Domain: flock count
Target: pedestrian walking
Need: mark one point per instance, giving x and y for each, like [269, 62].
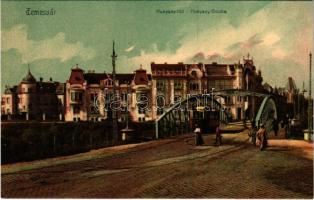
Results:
[275, 126]
[262, 137]
[198, 136]
[218, 136]
[253, 135]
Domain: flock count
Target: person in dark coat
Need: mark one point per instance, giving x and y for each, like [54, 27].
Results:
[218, 136]
[253, 135]
[275, 126]
[262, 137]
[198, 136]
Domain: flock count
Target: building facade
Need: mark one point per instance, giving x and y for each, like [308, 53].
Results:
[34, 100]
[89, 96]
[172, 82]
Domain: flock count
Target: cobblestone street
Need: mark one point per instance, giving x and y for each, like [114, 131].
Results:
[171, 168]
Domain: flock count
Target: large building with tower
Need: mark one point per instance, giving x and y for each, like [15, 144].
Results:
[172, 82]
[34, 100]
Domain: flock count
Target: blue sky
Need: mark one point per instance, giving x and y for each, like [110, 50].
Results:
[279, 36]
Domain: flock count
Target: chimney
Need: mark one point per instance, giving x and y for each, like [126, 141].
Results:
[50, 79]
[41, 79]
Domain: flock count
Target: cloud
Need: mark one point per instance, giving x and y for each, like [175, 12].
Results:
[270, 39]
[51, 48]
[279, 33]
[130, 49]
[278, 53]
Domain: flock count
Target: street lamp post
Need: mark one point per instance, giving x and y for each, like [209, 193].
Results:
[298, 111]
[114, 112]
[310, 109]
[127, 133]
[303, 98]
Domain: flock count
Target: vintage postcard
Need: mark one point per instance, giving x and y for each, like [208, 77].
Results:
[156, 99]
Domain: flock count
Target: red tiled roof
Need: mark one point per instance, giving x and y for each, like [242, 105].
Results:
[179, 66]
[140, 77]
[218, 69]
[94, 78]
[124, 78]
[77, 76]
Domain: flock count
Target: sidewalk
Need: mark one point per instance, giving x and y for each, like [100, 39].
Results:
[90, 155]
[229, 140]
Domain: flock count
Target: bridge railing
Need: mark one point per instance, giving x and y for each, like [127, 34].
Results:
[267, 113]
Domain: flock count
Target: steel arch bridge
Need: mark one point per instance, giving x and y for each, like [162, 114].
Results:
[240, 92]
[267, 113]
[176, 119]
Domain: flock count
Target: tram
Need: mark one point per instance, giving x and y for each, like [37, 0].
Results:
[206, 120]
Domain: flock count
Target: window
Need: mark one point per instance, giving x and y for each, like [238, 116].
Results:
[177, 86]
[193, 73]
[239, 98]
[124, 97]
[160, 85]
[194, 86]
[76, 109]
[159, 111]
[177, 98]
[94, 109]
[92, 97]
[8, 100]
[76, 96]
[142, 103]
[108, 82]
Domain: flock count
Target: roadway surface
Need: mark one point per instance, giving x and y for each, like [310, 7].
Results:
[170, 168]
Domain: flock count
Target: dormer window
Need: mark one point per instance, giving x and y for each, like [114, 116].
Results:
[108, 82]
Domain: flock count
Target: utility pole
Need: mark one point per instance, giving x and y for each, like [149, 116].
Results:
[303, 98]
[253, 99]
[298, 111]
[114, 112]
[310, 110]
